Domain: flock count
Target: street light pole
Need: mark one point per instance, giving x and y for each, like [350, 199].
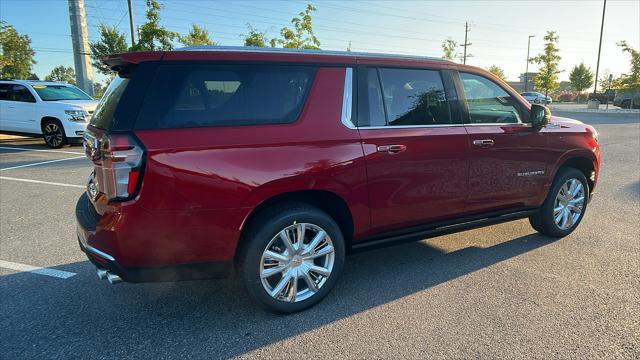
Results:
[526, 71]
[595, 86]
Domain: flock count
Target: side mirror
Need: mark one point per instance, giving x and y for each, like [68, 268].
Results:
[540, 116]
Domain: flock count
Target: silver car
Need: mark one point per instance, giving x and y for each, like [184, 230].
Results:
[536, 98]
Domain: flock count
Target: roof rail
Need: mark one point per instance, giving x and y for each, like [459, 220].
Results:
[266, 50]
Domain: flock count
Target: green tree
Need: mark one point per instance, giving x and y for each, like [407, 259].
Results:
[16, 55]
[581, 78]
[152, 36]
[630, 81]
[547, 78]
[198, 35]
[111, 41]
[33, 76]
[449, 48]
[62, 73]
[302, 35]
[497, 71]
[255, 38]
[99, 89]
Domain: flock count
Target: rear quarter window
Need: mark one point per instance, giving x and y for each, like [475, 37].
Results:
[182, 96]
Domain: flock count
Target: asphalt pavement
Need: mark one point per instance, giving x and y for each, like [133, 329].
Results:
[498, 292]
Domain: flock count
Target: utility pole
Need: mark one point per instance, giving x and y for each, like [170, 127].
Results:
[80, 42]
[466, 43]
[133, 39]
[595, 86]
[526, 69]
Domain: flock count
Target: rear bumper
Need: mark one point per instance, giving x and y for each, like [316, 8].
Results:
[87, 219]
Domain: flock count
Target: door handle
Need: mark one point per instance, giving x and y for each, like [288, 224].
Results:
[484, 143]
[391, 149]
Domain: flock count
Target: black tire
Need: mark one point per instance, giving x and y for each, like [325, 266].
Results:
[626, 104]
[543, 221]
[53, 133]
[265, 227]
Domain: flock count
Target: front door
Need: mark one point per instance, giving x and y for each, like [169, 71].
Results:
[508, 159]
[415, 148]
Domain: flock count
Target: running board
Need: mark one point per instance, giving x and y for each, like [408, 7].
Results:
[441, 229]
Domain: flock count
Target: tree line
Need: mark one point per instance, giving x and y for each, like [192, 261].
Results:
[581, 77]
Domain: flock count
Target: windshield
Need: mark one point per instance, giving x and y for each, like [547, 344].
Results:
[60, 92]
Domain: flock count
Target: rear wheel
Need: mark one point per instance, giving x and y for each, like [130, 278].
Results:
[565, 205]
[626, 104]
[292, 257]
[53, 133]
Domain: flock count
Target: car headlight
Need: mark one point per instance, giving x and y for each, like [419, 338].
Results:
[77, 115]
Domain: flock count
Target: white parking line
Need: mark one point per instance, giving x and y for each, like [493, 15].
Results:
[36, 270]
[41, 163]
[41, 182]
[42, 150]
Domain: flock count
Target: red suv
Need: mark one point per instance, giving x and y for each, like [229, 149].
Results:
[280, 162]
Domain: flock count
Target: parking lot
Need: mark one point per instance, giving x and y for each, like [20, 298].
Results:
[497, 292]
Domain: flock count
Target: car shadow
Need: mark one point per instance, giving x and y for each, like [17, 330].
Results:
[50, 317]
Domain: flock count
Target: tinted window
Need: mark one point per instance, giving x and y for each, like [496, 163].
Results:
[4, 91]
[60, 92]
[414, 97]
[103, 116]
[376, 104]
[196, 96]
[488, 102]
[21, 93]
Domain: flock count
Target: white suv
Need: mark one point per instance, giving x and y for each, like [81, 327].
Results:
[57, 111]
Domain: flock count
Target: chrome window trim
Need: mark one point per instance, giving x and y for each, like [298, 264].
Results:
[347, 99]
[519, 124]
[409, 126]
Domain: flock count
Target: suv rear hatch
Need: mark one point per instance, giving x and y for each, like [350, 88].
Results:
[109, 142]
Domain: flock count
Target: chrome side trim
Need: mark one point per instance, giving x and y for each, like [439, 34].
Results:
[347, 99]
[95, 251]
[91, 249]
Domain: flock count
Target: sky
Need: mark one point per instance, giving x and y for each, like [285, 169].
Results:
[498, 29]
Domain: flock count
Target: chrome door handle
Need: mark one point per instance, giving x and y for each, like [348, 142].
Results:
[484, 143]
[391, 149]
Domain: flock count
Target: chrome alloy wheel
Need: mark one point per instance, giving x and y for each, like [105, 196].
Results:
[53, 134]
[569, 203]
[297, 262]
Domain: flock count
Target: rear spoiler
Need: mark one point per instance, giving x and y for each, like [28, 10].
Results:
[124, 63]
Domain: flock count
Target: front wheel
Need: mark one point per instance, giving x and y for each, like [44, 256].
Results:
[565, 205]
[292, 257]
[53, 133]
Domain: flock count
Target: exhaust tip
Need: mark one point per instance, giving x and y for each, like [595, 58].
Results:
[102, 274]
[113, 279]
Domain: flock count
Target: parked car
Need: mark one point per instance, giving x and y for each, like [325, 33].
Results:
[280, 162]
[603, 97]
[536, 98]
[59, 112]
[627, 100]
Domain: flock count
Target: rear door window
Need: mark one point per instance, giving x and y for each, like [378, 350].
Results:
[407, 97]
[103, 117]
[217, 95]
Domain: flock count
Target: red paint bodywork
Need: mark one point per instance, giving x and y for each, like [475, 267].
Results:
[200, 185]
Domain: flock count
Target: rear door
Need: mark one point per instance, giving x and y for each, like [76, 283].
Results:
[508, 159]
[415, 146]
[21, 110]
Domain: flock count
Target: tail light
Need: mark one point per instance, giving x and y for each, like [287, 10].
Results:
[118, 160]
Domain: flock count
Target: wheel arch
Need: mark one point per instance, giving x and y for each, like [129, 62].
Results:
[50, 118]
[586, 164]
[330, 202]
